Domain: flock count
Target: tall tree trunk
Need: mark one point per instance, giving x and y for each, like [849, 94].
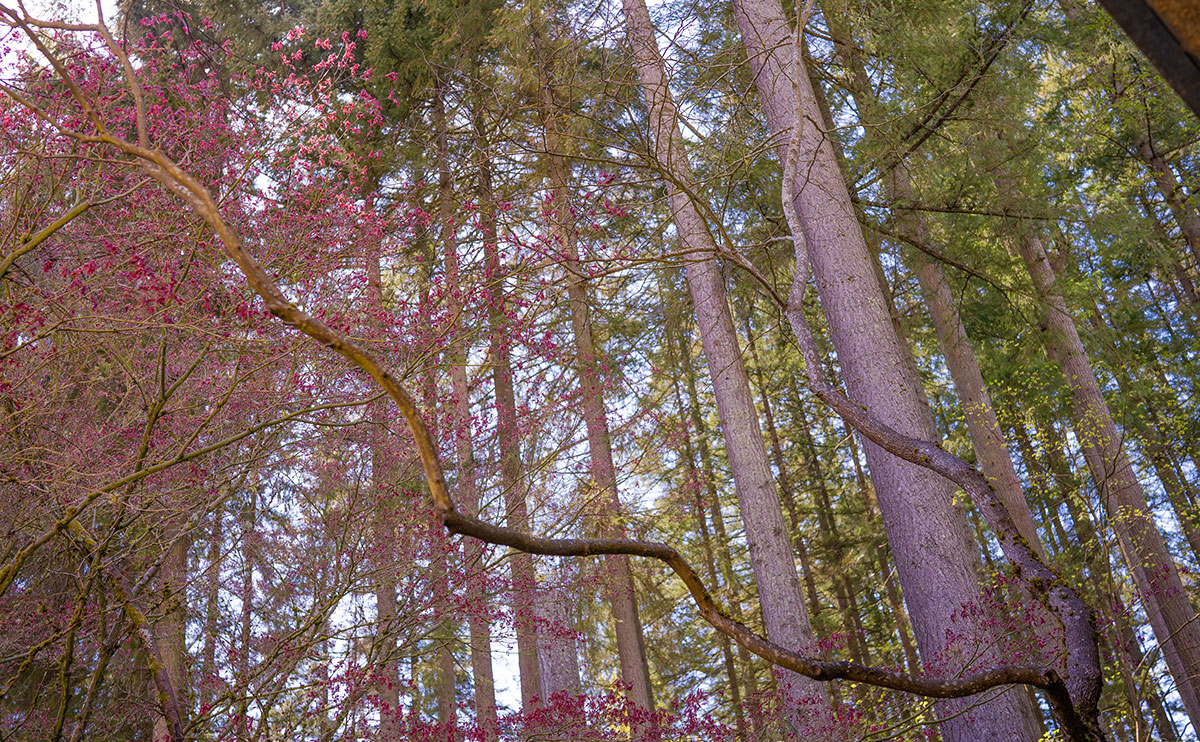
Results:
[245, 619]
[720, 535]
[700, 477]
[1142, 545]
[387, 669]
[935, 556]
[524, 578]
[879, 553]
[447, 706]
[710, 569]
[631, 650]
[1186, 286]
[780, 595]
[786, 492]
[484, 683]
[833, 543]
[557, 650]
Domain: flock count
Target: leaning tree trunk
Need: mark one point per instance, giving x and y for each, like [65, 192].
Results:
[631, 650]
[784, 614]
[933, 549]
[1185, 213]
[982, 426]
[1142, 546]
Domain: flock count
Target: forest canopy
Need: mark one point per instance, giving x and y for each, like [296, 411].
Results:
[447, 370]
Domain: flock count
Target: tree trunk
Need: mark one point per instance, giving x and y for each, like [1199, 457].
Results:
[1142, 545]
[387, 670]
[784, 615]
[209, 680]
[484, 683]
[557, 649]
[524, 579]
[833, 543]
[1172, 192]
[701, 479]
[785, 481]
[631, 650]
[245, 626]
[933, 549]
[878, 551]
[169, 630]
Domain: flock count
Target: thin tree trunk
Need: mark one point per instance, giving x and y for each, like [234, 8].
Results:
[833, 543]
[245, 627]
[878, 551]
[787, 493]
[933, 549]
[1178, 271]
[387, 669]
[631, 650]
[702, 483]
[720, 534]
[212, 612]
[464, 448]
[780, 594]
[1141, 543]
[524, 579]
[169, 630]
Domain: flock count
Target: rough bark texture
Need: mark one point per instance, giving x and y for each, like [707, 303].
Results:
[933, 550]
[1124, 499]
[784, 615]
[557, 651]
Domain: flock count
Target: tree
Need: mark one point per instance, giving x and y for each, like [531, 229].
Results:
[190, 454]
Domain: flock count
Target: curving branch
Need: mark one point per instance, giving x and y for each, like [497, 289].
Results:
[1073, 700]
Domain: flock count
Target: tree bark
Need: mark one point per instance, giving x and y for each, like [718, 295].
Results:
[933, 549]
[557, 650]
[524, 579]
[169, 629]
[212, 613]
[631, 650]
[786, 491]
[1142, 545]
[484, 684]
[1172, 192]
[700, 475]
[784, 615]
